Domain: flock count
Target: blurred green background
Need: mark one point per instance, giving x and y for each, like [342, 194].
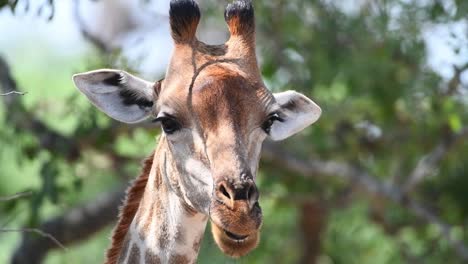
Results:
[380, 178]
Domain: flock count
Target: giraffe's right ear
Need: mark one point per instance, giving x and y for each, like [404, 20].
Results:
[119, 94]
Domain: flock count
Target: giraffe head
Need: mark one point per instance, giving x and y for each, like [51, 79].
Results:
[215, 112]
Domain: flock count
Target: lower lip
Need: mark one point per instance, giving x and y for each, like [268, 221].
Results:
[235, 237]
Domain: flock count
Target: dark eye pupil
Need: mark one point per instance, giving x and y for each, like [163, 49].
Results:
[169, 125]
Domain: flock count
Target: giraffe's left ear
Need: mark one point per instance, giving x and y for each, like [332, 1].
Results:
[296, 113]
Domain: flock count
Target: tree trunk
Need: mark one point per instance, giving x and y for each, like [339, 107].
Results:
[312, 222]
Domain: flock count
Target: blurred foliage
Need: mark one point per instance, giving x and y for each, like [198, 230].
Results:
[383, 109]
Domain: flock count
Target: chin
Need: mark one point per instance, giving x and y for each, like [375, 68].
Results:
[232, 244]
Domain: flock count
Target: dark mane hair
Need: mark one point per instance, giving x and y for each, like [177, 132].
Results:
[128, 211]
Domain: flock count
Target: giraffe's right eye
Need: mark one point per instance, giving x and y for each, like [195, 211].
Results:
[266, 126]
[169, 124]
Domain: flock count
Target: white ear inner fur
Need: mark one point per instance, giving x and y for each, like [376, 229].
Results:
[306, 113]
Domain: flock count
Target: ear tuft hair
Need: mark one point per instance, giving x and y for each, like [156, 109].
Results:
[240, 18]
[184, 17]
[130, 97]
[115, 79]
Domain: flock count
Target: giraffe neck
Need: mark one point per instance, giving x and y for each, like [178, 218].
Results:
[165, 229]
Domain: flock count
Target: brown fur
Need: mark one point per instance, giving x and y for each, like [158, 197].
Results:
[227, 96]
[128, 211]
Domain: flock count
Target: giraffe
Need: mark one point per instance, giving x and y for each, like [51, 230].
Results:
[215, 112]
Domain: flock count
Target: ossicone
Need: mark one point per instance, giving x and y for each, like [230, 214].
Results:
[184, 18]
[239, 16]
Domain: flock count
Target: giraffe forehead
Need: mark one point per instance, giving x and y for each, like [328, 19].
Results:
[189, 62]
[217, 97]
[230, 100]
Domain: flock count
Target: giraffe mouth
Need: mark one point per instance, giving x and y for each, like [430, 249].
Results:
[235, 237]
[234, 245]
[236, 229]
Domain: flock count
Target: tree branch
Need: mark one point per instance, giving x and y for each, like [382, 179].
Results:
[36, 231]
[15, 196]
[455, 81]
[101, 45]
[75, 225]
[357, 176]
[13, 92]
[429, 162]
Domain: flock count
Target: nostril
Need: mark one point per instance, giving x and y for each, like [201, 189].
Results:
[223, 190]
[244, 191]
[241, 194]
[228, 192]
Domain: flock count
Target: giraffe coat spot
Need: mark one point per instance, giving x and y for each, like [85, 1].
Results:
[150, 257]
[178, 259]
[134, 256]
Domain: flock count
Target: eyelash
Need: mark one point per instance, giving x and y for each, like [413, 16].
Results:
[169, 124]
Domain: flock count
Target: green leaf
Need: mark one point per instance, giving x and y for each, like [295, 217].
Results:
[455, 123]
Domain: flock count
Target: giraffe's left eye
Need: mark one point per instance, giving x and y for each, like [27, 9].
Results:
[266, 126]
[169, 124]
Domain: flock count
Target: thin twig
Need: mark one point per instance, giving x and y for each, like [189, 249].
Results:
[455, 81]
[13, 92]
[34, 230]
[429, 162]
[15, 196]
